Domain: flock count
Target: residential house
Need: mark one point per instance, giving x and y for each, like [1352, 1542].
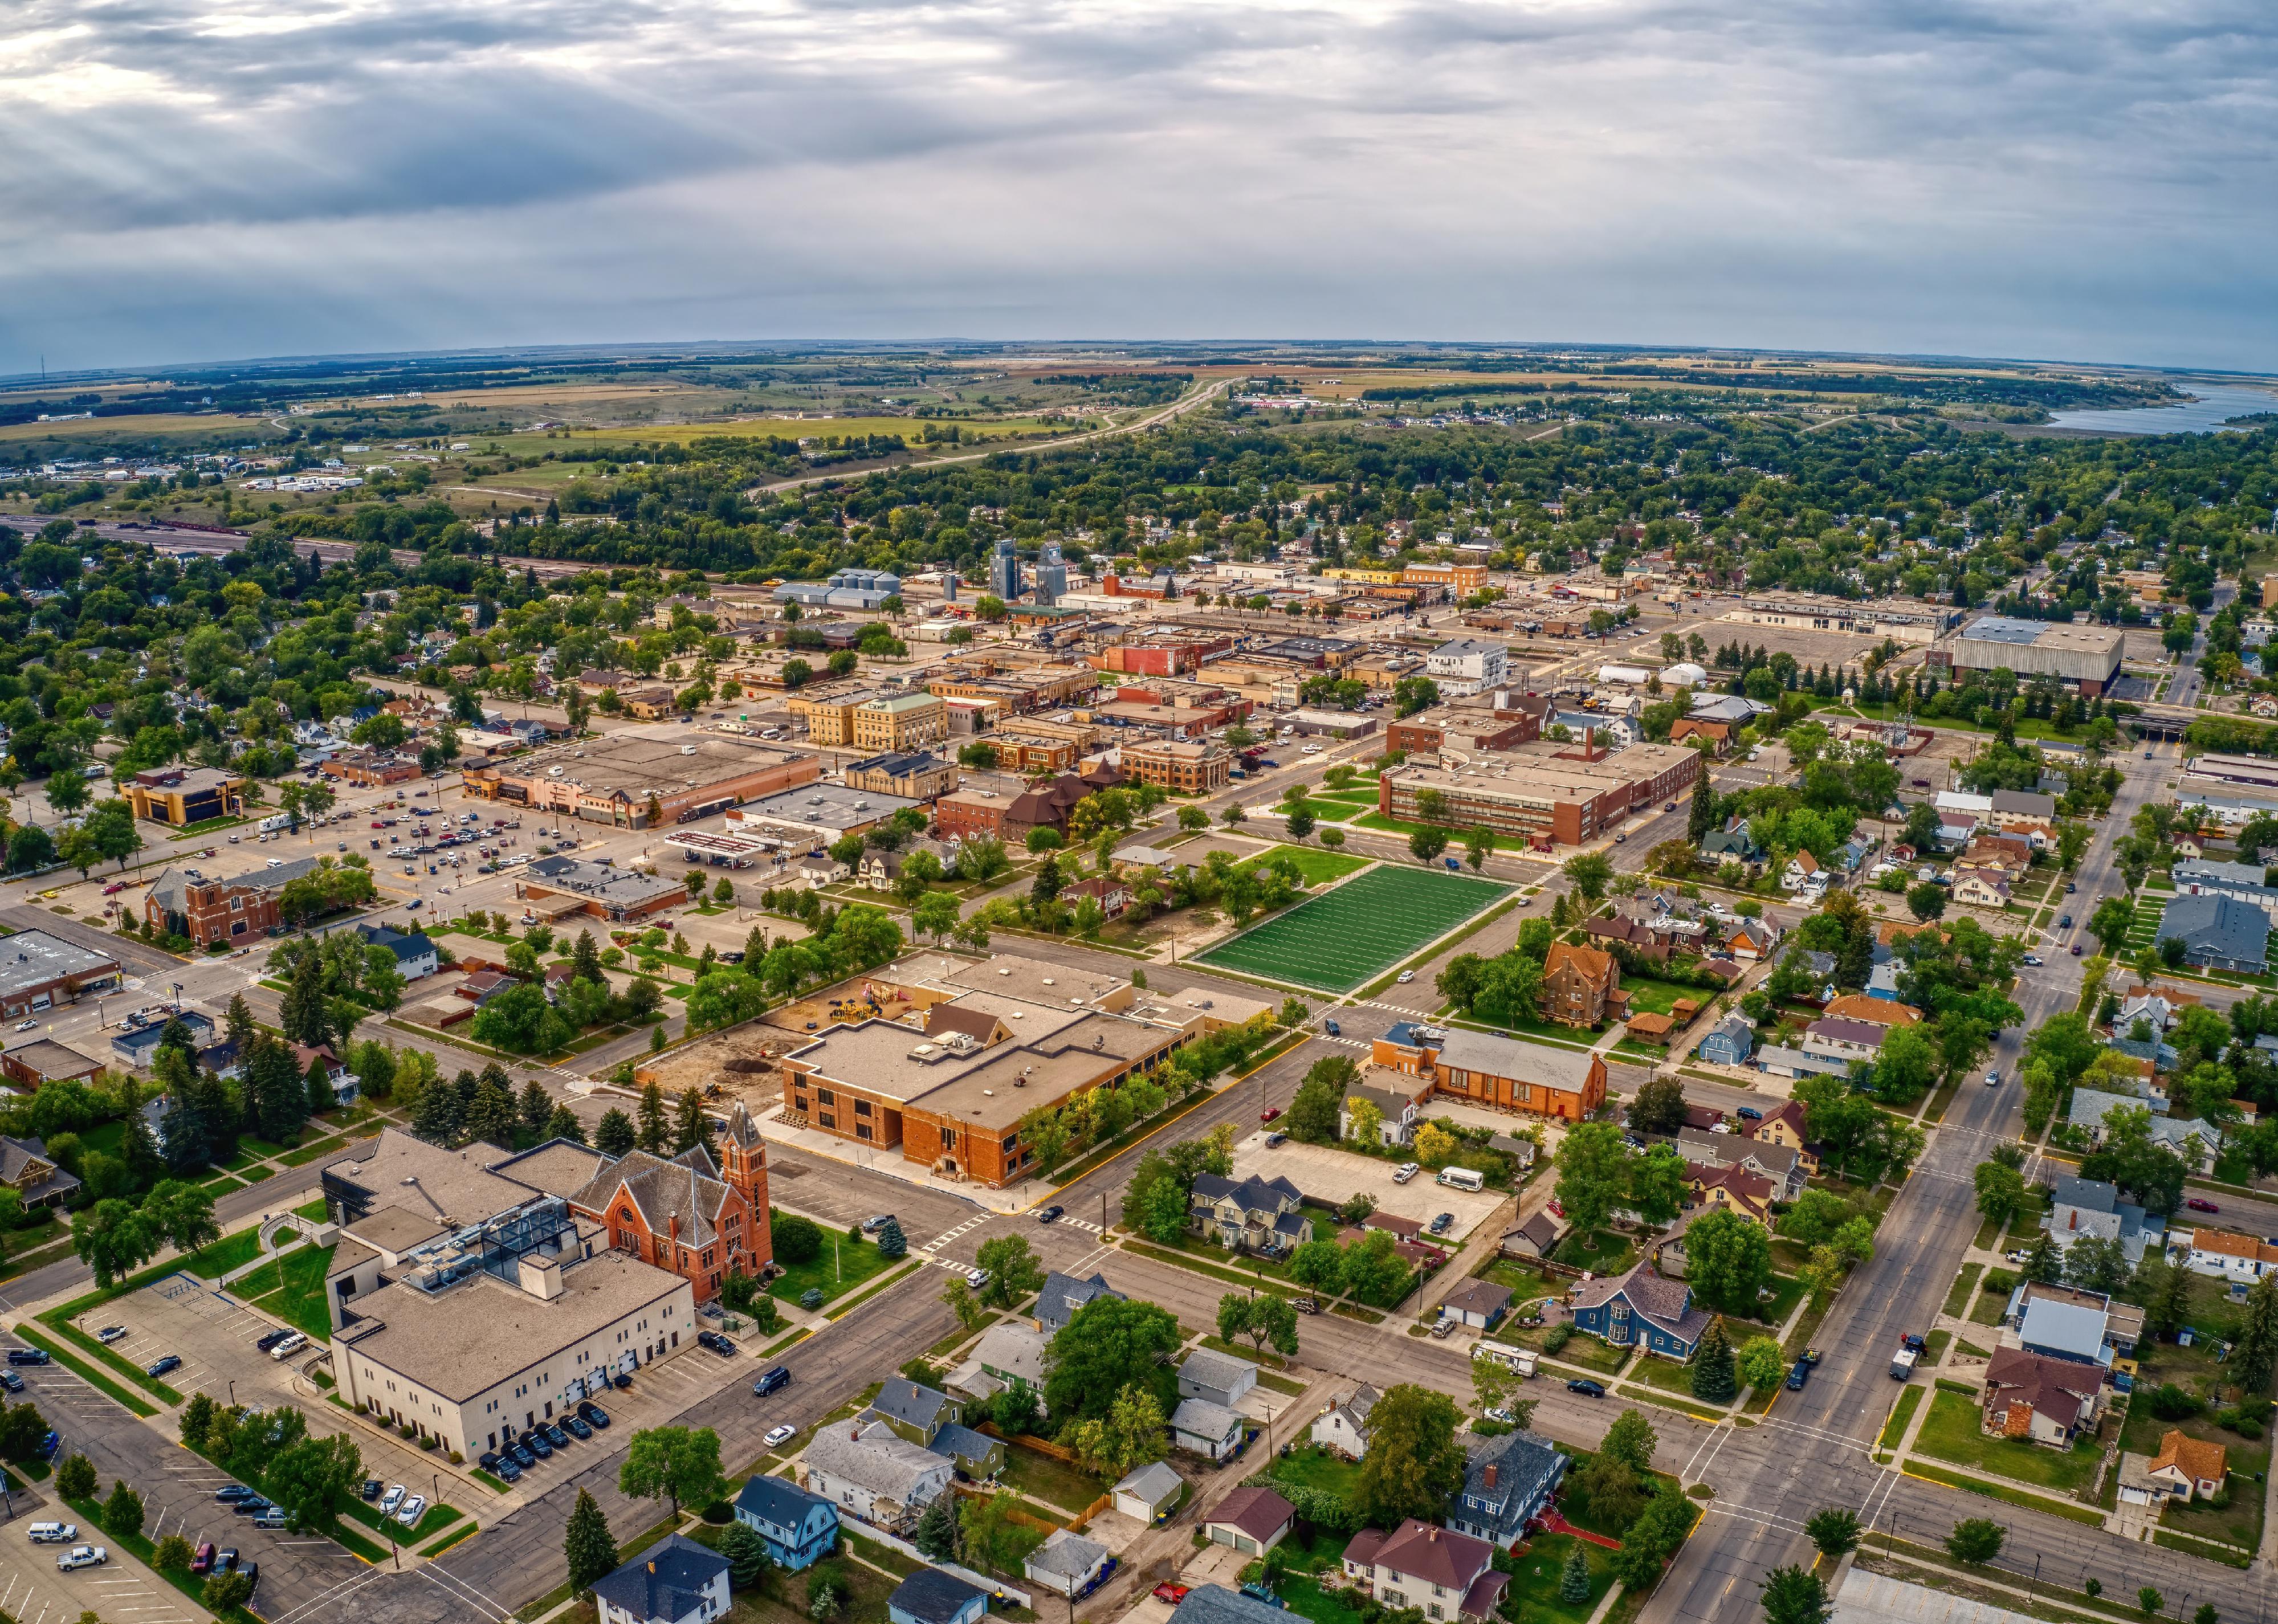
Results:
[976, 1455]
[2217, 932]
[1444, 1575]
[2048, 1401]
[2079, 1206]
[1109, 891]
[1478, 1304]
[2188, 1468]
[873, 1474]
[1009, 1353]
[1803, 872]
[415, 957]
[1063, 1294]
[800, 1527]
[1250, 1519]
[2070, 1331]
[1219, 1378]
[1508, 1482]
[1844, 1039]
[1149, 1493]
[1214, 1604]
[1641, 1308]
[2192, 1140]
[914, 1411]
[1778, 1060]
[1538, 1237]
[1344, 1425]
[1878, 1011]
[2240, 1259]
[1732, 1189]
[1784, 1126]
[1207, 1428]
[879, 870]
[1255, 1215]
[26, 1168]
[1068, 1563]
[676, 1582]
[1581, 987]
[1780, 1167]
[1733, 842]
[1981, 891]
[2123, 1322]
[1398, 1110]
[930, 1596]
[1490, 1068]
[1747, 939]
[1729, 1042]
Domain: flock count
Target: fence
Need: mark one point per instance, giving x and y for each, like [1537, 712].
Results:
[995, 1586]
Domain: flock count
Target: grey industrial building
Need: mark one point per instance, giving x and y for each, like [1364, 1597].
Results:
[2086, 658]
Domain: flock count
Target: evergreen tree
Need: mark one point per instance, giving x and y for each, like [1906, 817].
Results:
[893, 1245]
[492, 1118]
[1703, 821]
[755, 948]
[564, 1124]
[1574, 1579]
[936, 1534]
[440, 1116]
[146, 1162]
[300, 1013]
[690, 1126]
[276, 1096]
[181, 1136]
[655, 1135]
[585, 960]
[1713, 1381]
[613, 1135]
[216, 1116]
[537, 1106]
[318, 1087]
[2257, 1338]
[239, 1022]
[2044, 1262]
[590, 1547]
[747, 1550]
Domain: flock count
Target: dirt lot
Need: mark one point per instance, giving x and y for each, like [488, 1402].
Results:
[1329, 1174]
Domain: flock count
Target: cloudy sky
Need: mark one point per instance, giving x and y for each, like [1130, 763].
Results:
[193, 180]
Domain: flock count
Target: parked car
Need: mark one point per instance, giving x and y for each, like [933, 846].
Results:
[554, 1434]
[110, 1333]
[717, 1343]
[1273, 1139]
[53, 1533]
[777, 1437]
[2198, 1203]
[11, 1380]
[203, 1560]
[1269, 1113]
[271, 1518]
[1405, 1171]
[371, 1488]
[1799, 1375]
[231, 1494]
[28, 1355]
[506, 1471]
[1441, 1224]
[578, 1430]
[596, 1415]
[1172, 1593]
[1748, 1113]
[977, 1278]
[412, 1510]
[81, 1556]
[1586, 1388]
[392, 1499]
[538, 1445]
[2032, 958]
[226, 1560]
[876, 1222]
[164, 1363]
[524, 1457]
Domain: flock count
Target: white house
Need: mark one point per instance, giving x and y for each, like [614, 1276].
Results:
[1468, 664]
[874, 1474]
[677, 1581]
[1206, 1428]
[1067, 1562]
[1344, 1425]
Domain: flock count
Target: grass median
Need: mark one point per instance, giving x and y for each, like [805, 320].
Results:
[86, 1372]
[1997, 1491]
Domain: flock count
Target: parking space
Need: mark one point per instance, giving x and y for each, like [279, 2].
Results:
[207, 1328]
[292, 1565]
[32, 1592]
[1328, 1174]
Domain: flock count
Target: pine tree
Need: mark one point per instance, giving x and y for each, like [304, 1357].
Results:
[893, 1245]
[276, 1096]
[613, 1135]
[1713, 1381]
[301, 1012]
[440, 1115]
[936, 1534]
[239, 1022]
[537, 1106]
[690, 1126]
[146, 1162]
[1703, 821]
[317, 1087]
[564, 1124]
[585, 960]
[591, 1548]
[2044, 1262]
[654, 1134]
[755, 948]
[2257, 1338]
[1574, 1580]
[747, 1550]
[492, 1117]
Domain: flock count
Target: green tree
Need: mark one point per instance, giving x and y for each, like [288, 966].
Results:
[679, 1462]
[1592, 1174]
[181, 1214]
[1108, 1344]
[1728, 1259]
[75, 1478]
[1976, 1540]
[1631, 1441]
[1795, 1596]
[655, 1131]
[2000, 1192]
[1129, 1435]
[1427, 845]
[1013, 1270]
[1415, 1458]
[1319, 1267]
[1762, 1363]
[1659, 1106]
[113, 1239]
[615, 1134]
[1590, 873]
[1713, 1377]
[2111, 922]
[591, 1548]
[994, 1526]
[2257, 1337]
[122, 1513]
[1834, 1530]
[746, 1548]
[936, 1530]
[1657, 1189]
[1574, 1578]
[1314, 1112]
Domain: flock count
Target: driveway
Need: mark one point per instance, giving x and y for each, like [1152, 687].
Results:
[1329, 1174]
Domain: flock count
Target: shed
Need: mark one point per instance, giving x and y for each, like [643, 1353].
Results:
[1252, 1520]
[1149, 1493]
[1069, 1563]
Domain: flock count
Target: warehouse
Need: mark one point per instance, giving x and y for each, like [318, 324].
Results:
[1904, 622]
[2086, 658]
[646, 777]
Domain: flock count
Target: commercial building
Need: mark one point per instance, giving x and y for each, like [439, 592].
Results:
[181, 796]
[905, 722]
[847, 589]
[1537, 794]
[828, 710]
[1473, 726]
[817, 814]
[602, 890]
[646, 777]
[2084, 657]
[1902, 621]
[43, 1061]
[40, 971]
[1037, 689]
[1170, 651]
[473, 1305]
[370, 769]
[1033, 745]
[1468, 664]
[913, 775]
[1191, 766]
[187, 902]
[1457, 580]
[1491, 1069]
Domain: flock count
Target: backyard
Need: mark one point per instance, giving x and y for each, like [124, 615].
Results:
[1055, 1482]
[1533, 1597]
[1951, 1432]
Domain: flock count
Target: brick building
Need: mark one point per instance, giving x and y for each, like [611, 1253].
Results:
[208, 908]
[913, 775]
[1492, 1070]
[1581, 987]
[689, 1216]
[1009, 818]
[909, 721]
[1510, 720]
[1538, 795]
[1192, 766]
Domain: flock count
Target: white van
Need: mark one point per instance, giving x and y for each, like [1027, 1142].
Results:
[1462, 1179]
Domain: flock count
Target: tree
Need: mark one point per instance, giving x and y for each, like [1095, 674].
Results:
[1319, 1267]
[588, 1544]
[1975, 1539]
[1702, 819]
[1762, 1364]
[679, 1462]
[690, 1126]
[1427, 845]
[1713, 1378]
[1657, 1188]
[2257, 1338]
[223, 1592]
[1659, 1107]
[2000, 1192]
[615, 1134]
[312, 1475]
[892, 1244]
[1013, 1269]
[1415, 1458]
[75, 1478]
[1574, 1579]
[2151, 1601]
[2044, 1263]
[1833, 1530]
[655, 1133]
[1728, 1259]
[2110, 924]
[172, 1555]
[181, 1214]
[1593, 1175]
[1108, 1344]
[747, 1550]
[1795, 1596]
[1590, 873]
[1927, 900]
[1315, 1112]
[936, 1532]
[971, 1312]
[994, 1527]
[113, 1239]
[1631, 1441]
[1616, 1489]
[1130, 1434]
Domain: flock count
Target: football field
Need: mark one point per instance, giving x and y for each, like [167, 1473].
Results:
[1344, 937]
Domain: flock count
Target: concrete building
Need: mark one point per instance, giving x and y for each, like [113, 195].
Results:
[1188, 767]
[2218, 932]
[40, 971]
[1468, 664]
[1501, 720]
[645, 777]
[914, 775]
[1538, 796]
[904, 723]
[1899, 619]
[617, 894]
[817, 815]
[43, 1061]
[182, 796]
[2085, 658]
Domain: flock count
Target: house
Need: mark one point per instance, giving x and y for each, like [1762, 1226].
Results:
[1778, 1060]
[2240, 1259]
[2079, 1206]
[2048, 1401]
[1445, 1574]
[2188, 1137]
[1733, 842]
[1214, 1604]
[1063, 1294]
[1508, 1482]
[1749, 939]
[1149, 1493]
[1220, 1378]
[879, 870]
[1844, 1039]
[801, 1527]
[2190, 1468]
[1780, 1167]
[415, 956]
[2123, 1322]
[1478, 1304]
[675, 1582]
[1255, 1215]
[1729, 1042]
[1877, 1012]
[2072, 1332]
[931, 1597]
[1110, 893]
[1980, 891]
[2217, 932]
[1641, 1309]
[1344, 1425]
[1784, 1126]
[1009, 1353]
[1731, 1188]
[1207, 1428]
[1397, 1109]
[914, 1412]
[1538, 1237]
[1250, 1519]
[1802, 872]
[875, 1474]
[1068, 1563]
[976, 1455]
[26, 1168]
[1580, 985]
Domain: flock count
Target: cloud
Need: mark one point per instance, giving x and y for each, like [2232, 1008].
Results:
[215, 178]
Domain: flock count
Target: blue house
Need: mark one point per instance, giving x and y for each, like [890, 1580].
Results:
[1730, 1042]
[932, 1597]
[1641, 1309]
[800, 1527]
[1508, 1481]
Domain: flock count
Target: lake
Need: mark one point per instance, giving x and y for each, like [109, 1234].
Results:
[2211, 404]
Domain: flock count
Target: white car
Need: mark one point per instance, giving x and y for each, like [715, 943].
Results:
[2019, 1256]
[412, 1510]
[27, 1026]
[977, 1278]
[81, 1556]
[1405, 1171]
[2033, 959]
[1406, 976]
[1992, 1079]
[392, 1499]
[778, 1436]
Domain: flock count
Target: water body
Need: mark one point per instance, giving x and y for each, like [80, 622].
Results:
[2210, 407]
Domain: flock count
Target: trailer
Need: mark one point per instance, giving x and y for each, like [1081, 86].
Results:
[1902, 1364]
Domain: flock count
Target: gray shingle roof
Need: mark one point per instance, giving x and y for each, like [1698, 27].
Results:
[1066, 1555]
[1203, 1419]
[1214, 1604]
[665, 1582]
[932, 1597]
[879, 1459]
[2220, 926]
[906, 1401]
[1664, 1302]
[1064, 1294]
[1213, 1369]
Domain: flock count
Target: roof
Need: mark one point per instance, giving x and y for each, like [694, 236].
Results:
[170, 890]
[2223, 926]
[34, 958]
[1595, 963]
[17, 1157]
[1204, 1419]
[1777, 1056]
[907, 1401]
[1875, 1011]
[1063, 1294]
[622, 888]
[876, 1457]
[1259, 1513]
[2057, 1388]
[1664, 1302]
[779, 1502]
[2088, 1195]
[2026, 802]
[1252, 1194]
[1438, 1555]
[1481, 1297]
[1525, 1464]
[1864, 1032]
[962, 1443]
[1153, 1483]
[51, 1059]
[1067, 1555]
[665, 1582]
[2063, 1328]
[1208, 1368]
[405, 946]
[1214, 1604]
[932, 1597]
[1015, 1349]
[1567, 1070]
[2196, 1456]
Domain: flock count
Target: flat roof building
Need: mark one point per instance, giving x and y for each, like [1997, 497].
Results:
[606, 891]
[40, 971]
[1538, 794]
[816, 814]
[2086, 656]
[1901, 620]
[181, 796]
[645, 777]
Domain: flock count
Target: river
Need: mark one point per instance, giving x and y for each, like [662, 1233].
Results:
[2210, 406]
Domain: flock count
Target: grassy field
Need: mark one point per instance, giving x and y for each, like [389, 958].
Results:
[1338, 941]
[1317, 865]
[1951, 1432]
[292, 1289]
[1533, 1597]
[1660, 997]
[969, 430]
[1316, 1467]
[843, 1265]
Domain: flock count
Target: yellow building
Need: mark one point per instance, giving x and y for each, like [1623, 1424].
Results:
[828, 714]
[910, 721]
[1374, 577]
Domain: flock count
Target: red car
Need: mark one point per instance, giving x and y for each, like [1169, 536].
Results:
[2198, 1205]
[1269, 1114]
[1557, 1211]
[114, 889]
[1172, 1593]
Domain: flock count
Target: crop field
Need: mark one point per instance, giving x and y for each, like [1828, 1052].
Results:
[1339, 939]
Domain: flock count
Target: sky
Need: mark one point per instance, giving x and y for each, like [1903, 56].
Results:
[201, 179]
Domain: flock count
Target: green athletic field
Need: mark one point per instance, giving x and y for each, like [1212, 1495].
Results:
[1344, 937]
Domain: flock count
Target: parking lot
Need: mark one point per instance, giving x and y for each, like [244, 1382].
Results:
[1329, 1174]
[32, 1592]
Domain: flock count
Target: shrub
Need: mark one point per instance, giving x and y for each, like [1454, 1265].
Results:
[1557, 1337]
[2169, 1402]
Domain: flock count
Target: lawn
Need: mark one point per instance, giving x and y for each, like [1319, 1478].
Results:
[292, 1289]
[1337, 940]
[842, 1266]
[1316, 1467]
[1533, 1596]
[1951, 1433]
[1317, 865]
[1660, 997]
[1608, 1252]
[230, 1252]
[1302, 1595]
[1958, 1299]
[1056, 1482]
